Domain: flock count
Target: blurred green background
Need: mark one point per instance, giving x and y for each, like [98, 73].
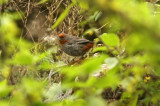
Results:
[121, 70]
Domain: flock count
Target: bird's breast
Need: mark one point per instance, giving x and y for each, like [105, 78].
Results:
[62, 42]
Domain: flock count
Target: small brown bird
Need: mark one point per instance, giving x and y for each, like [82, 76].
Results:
[74, 46]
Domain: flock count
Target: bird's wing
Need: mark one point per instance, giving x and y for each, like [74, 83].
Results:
[83, 41]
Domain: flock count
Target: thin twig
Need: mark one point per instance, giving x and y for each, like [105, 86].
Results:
[102, 26]
[17, 9]
[28, 9]
[56, 7]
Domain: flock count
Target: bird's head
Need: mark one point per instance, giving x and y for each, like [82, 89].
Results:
[63, 38]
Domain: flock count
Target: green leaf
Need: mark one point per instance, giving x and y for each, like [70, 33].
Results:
[63, 15]
[96, 101]
[3, 1]
[42, 1]
[97, 49]
[110, 39]
[111, 62]
[83, 4]
[23, 58]
[98, 15]
[46, 65]
[4, 88]
[8, 27]
[90, 32]
[6, 71]
[87, 67]
[111, 79]
[133, 101]
[33, 88]
[4, 103]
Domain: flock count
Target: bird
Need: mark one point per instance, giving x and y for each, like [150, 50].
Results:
[74, 46]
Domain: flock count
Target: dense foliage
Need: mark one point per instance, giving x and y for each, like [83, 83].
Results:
[122, 69]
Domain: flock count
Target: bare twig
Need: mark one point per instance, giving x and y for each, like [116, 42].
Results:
[56, 7]
[102, 26]
[28, 9]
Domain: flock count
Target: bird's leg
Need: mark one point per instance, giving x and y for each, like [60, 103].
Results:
[86, 55]
[72, 61]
